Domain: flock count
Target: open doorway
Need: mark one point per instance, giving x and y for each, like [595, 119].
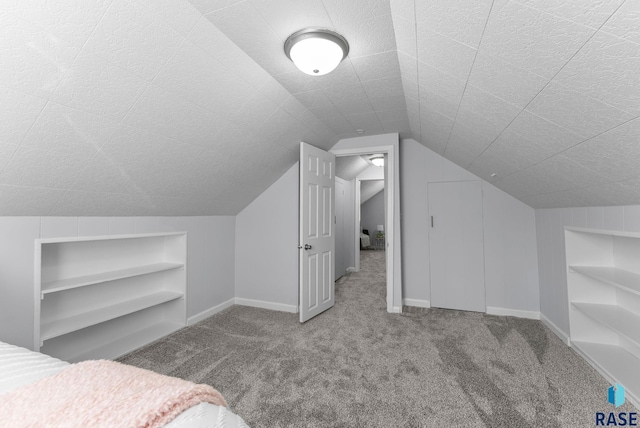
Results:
[372, 269]
[316, 219]
[361, 216]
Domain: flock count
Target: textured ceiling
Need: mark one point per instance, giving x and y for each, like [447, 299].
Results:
[543, 93]
[148, 107]
[370, 188]
[349, 167]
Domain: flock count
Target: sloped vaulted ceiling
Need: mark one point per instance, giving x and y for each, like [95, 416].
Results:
[544, 94]
[170, 107]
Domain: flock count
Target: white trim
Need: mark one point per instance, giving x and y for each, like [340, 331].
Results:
[266, 305]
[356, 225]
[494, 310]
[418, 303]
[390, 231]
[211, 311]
[554, 328]
[396, 310]
[352, 269]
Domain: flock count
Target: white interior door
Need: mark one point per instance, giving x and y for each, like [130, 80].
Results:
[456, 246]
[317, 231]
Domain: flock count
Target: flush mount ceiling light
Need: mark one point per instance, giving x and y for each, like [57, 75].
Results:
[316, 51]
[377, 160]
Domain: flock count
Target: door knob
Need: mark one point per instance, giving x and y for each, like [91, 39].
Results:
[307, 247]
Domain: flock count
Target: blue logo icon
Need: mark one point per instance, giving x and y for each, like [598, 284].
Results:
[616, 395]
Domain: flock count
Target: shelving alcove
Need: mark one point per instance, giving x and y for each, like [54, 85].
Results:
[101, 297]
[603, 279]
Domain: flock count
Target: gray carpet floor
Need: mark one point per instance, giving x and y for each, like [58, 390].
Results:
[358, 366]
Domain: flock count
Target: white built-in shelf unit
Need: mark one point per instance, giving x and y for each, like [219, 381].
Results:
[101, 297]
[603, 278]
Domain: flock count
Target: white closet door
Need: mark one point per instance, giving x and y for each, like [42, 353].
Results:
[456, 246]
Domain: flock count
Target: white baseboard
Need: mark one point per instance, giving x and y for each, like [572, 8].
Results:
[554, 328]
[242, 302]
[266, 305]
[418, 303]
[494, 310]
[396, 310]
[211, 311]
[351, 269]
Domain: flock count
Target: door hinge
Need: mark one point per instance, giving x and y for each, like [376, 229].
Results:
[431, 221]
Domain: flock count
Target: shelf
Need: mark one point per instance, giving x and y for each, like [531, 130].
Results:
[61, 240]
[614, 317]
[603, 289]
[82, 281]
[95, 316]
[615, 363]
[102, 296]
[125, 344]
[623, 279]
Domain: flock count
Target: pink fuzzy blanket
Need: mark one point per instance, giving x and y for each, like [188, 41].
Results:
[102, 394]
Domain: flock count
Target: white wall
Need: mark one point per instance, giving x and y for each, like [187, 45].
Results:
[267, 247]
[210, 260]
[372, 214]
[550, 224]
[510, 255]
[511, 278]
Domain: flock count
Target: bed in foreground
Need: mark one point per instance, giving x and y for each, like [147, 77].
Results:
[101, 392]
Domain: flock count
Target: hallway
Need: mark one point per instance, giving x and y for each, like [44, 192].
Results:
[368, 287]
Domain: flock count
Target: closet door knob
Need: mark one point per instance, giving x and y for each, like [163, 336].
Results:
[307, 247]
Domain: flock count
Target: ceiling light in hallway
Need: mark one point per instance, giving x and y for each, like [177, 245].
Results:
[377, 160]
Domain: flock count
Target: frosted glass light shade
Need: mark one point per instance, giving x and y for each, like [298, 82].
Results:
[316, 52]
[316, 57]
[378, 161]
